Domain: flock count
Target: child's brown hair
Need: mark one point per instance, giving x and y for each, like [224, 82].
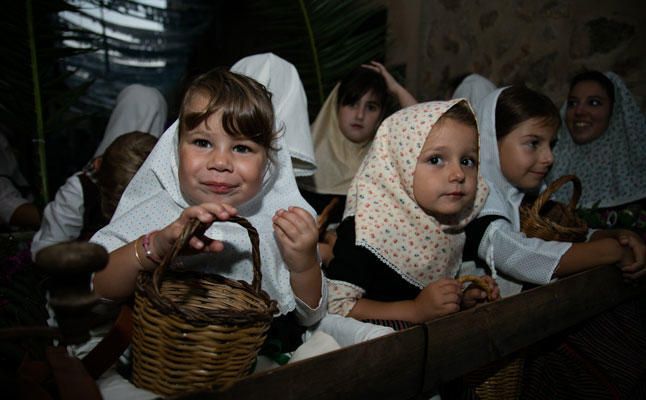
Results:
[461, 112]
[244, 103]
[119, 163]
[517, 104]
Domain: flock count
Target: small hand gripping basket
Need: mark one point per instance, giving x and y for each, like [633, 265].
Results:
[197, 331]
[550, 220]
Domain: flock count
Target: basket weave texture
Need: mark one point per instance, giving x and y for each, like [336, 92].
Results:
[196, 331]
[550, 220]
[547, 220]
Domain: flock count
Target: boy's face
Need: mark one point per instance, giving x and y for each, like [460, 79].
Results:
[526, 154]
[359, 121]
[215, 167]
[446, 174]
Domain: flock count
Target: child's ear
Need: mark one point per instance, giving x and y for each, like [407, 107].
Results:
[96, 163]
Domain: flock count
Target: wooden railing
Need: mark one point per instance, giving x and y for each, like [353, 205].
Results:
[411, 363]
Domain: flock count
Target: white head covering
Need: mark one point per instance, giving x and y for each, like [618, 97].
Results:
[153, 199]
[474, 88]
[340, 156]
[288, 97]
[612, 168]
[504, 198]
[138, 108]
[388, 220]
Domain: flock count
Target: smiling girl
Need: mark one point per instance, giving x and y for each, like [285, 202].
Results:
[518, 128]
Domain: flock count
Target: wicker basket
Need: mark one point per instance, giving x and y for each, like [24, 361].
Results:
[196, 331]
[550, 220]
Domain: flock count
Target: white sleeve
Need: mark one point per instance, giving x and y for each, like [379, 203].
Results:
[10, 200]
[514, 254]
[62, 218]
[308, 316]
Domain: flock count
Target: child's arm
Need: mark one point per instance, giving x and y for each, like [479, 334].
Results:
[439, 298]
[297, 236]
[118, 278]
[403, 96]
[611, 246]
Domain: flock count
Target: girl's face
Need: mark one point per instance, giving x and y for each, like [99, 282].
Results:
[216, 167]
[588, 112]
[446, 174]
[359, 121]
[526, 153]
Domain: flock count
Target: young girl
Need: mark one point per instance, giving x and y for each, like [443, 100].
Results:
[603, 142]
[399, 247]
[518, 127]
[220, 159]
[344, 129]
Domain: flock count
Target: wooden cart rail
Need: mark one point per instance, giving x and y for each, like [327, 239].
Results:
[411, 363]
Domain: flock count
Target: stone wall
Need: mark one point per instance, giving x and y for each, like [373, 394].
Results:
[540, 42]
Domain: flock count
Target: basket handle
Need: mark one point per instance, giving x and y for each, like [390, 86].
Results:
[553, 187]
[196, 226]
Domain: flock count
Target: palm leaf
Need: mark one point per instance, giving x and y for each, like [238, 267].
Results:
[324, 39]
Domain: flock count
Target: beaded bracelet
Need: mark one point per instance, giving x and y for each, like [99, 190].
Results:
[148, 248]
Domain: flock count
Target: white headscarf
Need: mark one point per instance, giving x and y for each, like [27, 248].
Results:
[504, 198]
[612, 168]
[153, 199]
[388, 220]
[288, 97]
[340, 156]
[474, 88]
[138, 108]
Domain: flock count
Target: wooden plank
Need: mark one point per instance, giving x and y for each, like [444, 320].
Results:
[463, 342]
[413, 362]
[389, 367]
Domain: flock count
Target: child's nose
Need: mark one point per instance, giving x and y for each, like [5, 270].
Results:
[220, 161]
[360, 112]
[456, 174]
[548, 157]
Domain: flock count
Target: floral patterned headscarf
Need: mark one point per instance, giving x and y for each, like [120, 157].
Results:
[388, 220]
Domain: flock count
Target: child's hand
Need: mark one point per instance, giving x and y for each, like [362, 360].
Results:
[474, 294]
[379, 68]
[633, 261]
[164, 240]
[297, 236]
[439, 298]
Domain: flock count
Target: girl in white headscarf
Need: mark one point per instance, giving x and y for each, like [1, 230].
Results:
[222, 158]
[603, 142]
[399, 247]
[72, 214]
[517, 128]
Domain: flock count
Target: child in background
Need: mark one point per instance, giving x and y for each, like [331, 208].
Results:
[399, 246]
[342, 133]
[518, 128]
[75, 212]
[221, 159]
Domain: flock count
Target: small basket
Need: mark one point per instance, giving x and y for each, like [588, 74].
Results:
[196, 331]
[550, 220]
